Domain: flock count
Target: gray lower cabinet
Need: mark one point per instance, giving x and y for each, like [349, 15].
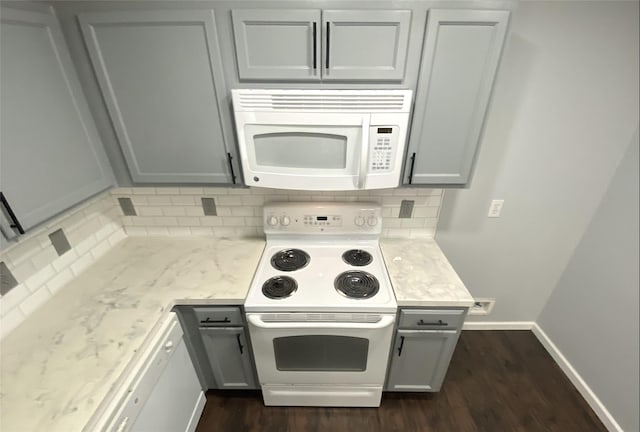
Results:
[314, 45]
[461, 53]
[229, 356]
[160, 74]
[52, 156]
[423, 348]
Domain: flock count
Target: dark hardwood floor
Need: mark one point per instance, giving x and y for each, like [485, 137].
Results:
[498, 381]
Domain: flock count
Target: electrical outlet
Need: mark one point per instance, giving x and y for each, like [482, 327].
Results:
[406, 209]
[482, 306]
[127, 206]
[495, 208]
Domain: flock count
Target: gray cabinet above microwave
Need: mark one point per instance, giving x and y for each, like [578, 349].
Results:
[321, 45]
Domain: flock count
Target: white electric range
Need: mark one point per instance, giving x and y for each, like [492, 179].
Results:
[321, 307]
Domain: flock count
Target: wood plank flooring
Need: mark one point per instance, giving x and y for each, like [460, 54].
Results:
[498, 381]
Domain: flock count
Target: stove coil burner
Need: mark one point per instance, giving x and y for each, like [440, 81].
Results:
[357, 257]
[290, 260]
[279, 287]
[356, 284]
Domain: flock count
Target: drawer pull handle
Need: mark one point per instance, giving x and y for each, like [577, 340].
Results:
[401, 346]
[210, 321]
[240, 344]
[438, 323]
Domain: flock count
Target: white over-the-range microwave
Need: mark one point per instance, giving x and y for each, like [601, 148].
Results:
[321, 139]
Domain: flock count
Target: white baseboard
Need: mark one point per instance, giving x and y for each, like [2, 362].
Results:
[498, 325]
[575, 378]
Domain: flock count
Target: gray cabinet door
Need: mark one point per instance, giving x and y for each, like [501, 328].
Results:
[460, 56]
[363, 45]
[277, 44]
[420, 360]
[161, 77]
[229, 357]
[52, 157]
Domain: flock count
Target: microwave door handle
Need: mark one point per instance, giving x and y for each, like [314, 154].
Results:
[364, 153]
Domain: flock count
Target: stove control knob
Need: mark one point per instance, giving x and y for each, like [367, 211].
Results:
[272, 221]
[359, 221]
[372, 221]
[284, 220]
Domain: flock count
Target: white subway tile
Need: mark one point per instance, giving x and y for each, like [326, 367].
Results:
[82, 263]
[157, 231]
[229, 200]
[434, 201]
[85, 245]
[239, 191]
[34, 301]
[426, 212]
[179, 231]
[223, 211]
[168, 191]
[232, 221]
[165, 221]
[159, 200]
[144, 191]
[22, 250]
[253, 221]
[105, 231]
[397, 233]
[188, 221]
[210, 221]
[404, 192]
[102, 248]
[23, 271]
[241, 211]
[392, 200]
[44, 257]
[194, 211]
[424, 233]
[414, 222]
[136, 230]
[10, 321]
[202, 231]
[59, 281]
[258, 211]
[149, 211]
[139, 200]
[430, 222]
[116, 237]
[247, 232]
[174, 211]
[191, 191]
[143, 221]
[214, 191]
[12, 299]
[275, 198]
[184, 200]
[391, 223]
[127, 220]
[40, 278]
[64, 260]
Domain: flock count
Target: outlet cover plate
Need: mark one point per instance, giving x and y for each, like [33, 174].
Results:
[482, 306]
[406, 209]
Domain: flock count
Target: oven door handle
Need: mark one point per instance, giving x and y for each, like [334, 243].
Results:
[256, 320]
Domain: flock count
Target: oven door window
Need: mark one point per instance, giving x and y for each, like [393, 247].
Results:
[321, 353]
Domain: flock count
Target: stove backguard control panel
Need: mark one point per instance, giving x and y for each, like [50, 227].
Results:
[323, 218]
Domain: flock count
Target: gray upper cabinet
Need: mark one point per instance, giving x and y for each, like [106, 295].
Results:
[314, 45]
[52, 157]
[160, 74]
[277, 44]
[460, 57]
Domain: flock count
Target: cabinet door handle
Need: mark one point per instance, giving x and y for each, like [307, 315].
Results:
[413, 162]
[438, 323]
[240, 346]
[15, 223]
[210, 321]
[401, 346]
[327, 48]
[315, 51]
[233, 175]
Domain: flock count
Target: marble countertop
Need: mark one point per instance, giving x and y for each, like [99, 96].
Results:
[421, 275]
[61, 363]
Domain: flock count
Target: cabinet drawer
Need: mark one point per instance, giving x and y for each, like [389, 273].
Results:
[431, 319]
[218, 316]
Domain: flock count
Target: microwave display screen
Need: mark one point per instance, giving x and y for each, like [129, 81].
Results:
[322, 218]
[385, 130]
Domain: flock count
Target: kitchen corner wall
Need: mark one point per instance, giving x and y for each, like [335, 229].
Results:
[179, 211]
[92, 228]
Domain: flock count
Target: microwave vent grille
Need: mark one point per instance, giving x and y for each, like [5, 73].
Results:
[392, 101]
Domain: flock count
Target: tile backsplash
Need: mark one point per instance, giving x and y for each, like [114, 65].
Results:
[40, 270]
[39, 263]
[180, 211]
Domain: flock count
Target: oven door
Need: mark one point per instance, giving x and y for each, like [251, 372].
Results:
[309, 151]
[298, 348]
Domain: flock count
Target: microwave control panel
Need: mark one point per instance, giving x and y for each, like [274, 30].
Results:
[383, 142]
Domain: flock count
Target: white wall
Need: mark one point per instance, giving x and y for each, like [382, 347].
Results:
[565, 106]
[592, 315]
